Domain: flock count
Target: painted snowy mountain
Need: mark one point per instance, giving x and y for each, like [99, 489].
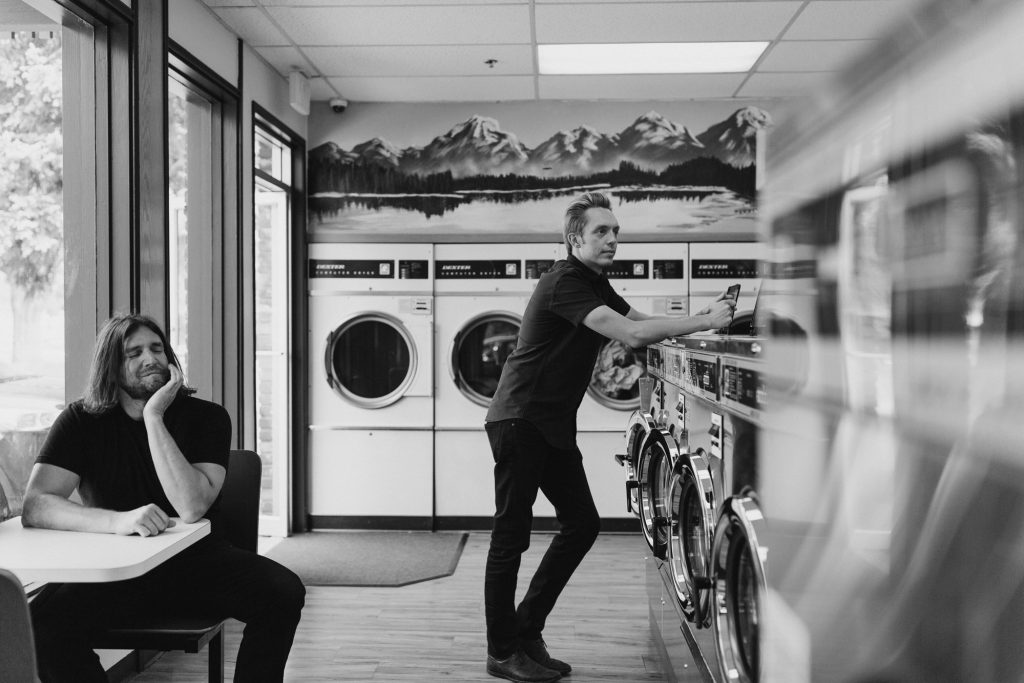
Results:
[378, 153]
[734, 139]
[654, 142]
[476, 146]
[581, 149]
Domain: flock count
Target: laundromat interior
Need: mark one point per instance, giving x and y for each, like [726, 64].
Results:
[339, 210]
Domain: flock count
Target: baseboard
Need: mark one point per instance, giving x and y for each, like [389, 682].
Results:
[610, 524]
[394, 523]
[450, 523]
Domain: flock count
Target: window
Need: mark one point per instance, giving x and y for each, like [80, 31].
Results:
[273, 218]
[52, 65]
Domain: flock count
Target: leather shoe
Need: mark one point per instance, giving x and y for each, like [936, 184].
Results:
[537, 650]
[521, 669]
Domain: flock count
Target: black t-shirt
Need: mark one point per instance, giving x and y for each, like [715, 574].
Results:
[544, 379]
[110, 452]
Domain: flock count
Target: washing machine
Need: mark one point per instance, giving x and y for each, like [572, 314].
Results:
[371, 384]
[481, 292]
[714, 266]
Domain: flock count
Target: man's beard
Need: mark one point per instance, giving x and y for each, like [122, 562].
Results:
[142, 388]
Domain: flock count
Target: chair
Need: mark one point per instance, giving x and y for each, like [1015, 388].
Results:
[240, 503]
[17, 651]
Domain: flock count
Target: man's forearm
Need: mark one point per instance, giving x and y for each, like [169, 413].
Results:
[654, 330]
[50, 511]
[188, 489]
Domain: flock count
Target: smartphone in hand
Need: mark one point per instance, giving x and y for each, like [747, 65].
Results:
[733, 292]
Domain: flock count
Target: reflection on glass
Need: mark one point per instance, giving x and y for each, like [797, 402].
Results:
[371, 359]
[745, 611]
[481, 353]
[865, 298]
[189, 119]
[616, 372]
[270, 246]
[31, 252]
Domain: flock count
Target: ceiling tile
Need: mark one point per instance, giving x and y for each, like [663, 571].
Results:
[640, 87]
[480, 25]
[320, 90]
[284, 59]
[849, 19]
[813, 55]
[784, 84]
[644, 22]
[422, 60]
[252, 25]
[453, 89]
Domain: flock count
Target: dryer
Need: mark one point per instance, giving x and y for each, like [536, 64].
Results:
[371, 384]
[481, 292]
[714, 266]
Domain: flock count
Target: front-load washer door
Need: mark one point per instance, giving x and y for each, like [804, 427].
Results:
[658, 454]
[371, 359]
[614, 382]
[738, 573]
[691, 533]
[640, 426]
[479, 351]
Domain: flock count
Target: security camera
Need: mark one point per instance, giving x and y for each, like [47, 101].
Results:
[338, 104]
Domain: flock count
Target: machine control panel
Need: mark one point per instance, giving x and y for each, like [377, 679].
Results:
[701, 377]
[628, 269]
[500, 269]
[743, 387]
[667, 269]
[352, 268]
[534, 268]
[731, 269]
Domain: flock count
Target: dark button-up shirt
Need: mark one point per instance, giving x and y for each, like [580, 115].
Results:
[545, 378]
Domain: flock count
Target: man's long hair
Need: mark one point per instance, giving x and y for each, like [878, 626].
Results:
[576, 214]
[102, 390]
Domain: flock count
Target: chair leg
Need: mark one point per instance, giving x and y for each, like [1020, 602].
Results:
[216, 647]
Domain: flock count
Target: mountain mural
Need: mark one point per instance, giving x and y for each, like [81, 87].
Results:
[479, 147]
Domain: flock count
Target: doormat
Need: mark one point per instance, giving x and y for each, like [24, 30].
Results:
[370, 558]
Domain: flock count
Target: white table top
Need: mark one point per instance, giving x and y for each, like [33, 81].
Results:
[84, 557]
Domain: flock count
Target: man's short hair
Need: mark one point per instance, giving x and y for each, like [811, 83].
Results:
[576, 214]
[104, 383]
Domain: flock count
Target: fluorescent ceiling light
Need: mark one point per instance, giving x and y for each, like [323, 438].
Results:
[649, 58]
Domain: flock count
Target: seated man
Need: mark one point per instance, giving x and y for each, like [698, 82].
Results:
[140, 450]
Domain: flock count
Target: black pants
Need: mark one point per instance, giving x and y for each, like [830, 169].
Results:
[523, 463]
[212, 578]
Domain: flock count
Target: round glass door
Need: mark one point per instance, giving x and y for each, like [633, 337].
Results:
[478, 354]
[640, 426]
[657, 456]
[691, 534]
[371, 360]
[616, 371]
[740, 588]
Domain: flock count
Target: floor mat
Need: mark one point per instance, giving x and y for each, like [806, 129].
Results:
[369, 558]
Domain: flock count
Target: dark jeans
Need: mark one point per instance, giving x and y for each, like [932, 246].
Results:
[212, 578]
[523, 464]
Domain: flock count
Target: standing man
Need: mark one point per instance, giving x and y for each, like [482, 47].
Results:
[140, 450]
[531, 425]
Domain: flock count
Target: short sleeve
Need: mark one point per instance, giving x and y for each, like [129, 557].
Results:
[62, 446]
[211, 441]
[573, 298]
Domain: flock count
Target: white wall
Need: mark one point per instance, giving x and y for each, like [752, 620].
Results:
[193, 26]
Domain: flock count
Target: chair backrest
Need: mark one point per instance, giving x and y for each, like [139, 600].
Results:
[240, 499]
[17, 652]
